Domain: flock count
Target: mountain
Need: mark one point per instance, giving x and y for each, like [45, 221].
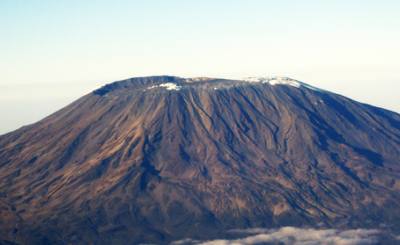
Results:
[158, 159]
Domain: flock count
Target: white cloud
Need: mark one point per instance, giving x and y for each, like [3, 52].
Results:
[297, 236]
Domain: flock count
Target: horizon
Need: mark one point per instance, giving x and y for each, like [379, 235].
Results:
[31, 109]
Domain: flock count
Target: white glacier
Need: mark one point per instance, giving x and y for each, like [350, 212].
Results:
[167, 86]
[279, 81]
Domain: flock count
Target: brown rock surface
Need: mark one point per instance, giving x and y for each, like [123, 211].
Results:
[138, 162]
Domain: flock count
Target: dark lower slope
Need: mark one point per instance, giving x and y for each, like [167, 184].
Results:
[137, 161]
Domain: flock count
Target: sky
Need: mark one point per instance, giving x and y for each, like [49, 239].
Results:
[53, 52]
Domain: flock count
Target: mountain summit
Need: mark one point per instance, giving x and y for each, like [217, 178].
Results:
[156, 159]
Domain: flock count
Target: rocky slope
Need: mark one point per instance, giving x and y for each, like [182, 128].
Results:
[157, 159]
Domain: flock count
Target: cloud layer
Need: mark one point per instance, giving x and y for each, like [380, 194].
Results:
[296, 236]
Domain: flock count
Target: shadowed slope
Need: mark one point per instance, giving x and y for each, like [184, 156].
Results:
[161, 158]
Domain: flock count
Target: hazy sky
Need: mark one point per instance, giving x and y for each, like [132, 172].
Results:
[52, 52]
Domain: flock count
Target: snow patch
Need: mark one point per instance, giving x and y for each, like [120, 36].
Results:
[274, 81]
[284, 81]
[198, 79]
[167, 86]
[279, 81]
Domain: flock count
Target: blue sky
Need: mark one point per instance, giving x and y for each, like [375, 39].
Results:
[52, 52]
